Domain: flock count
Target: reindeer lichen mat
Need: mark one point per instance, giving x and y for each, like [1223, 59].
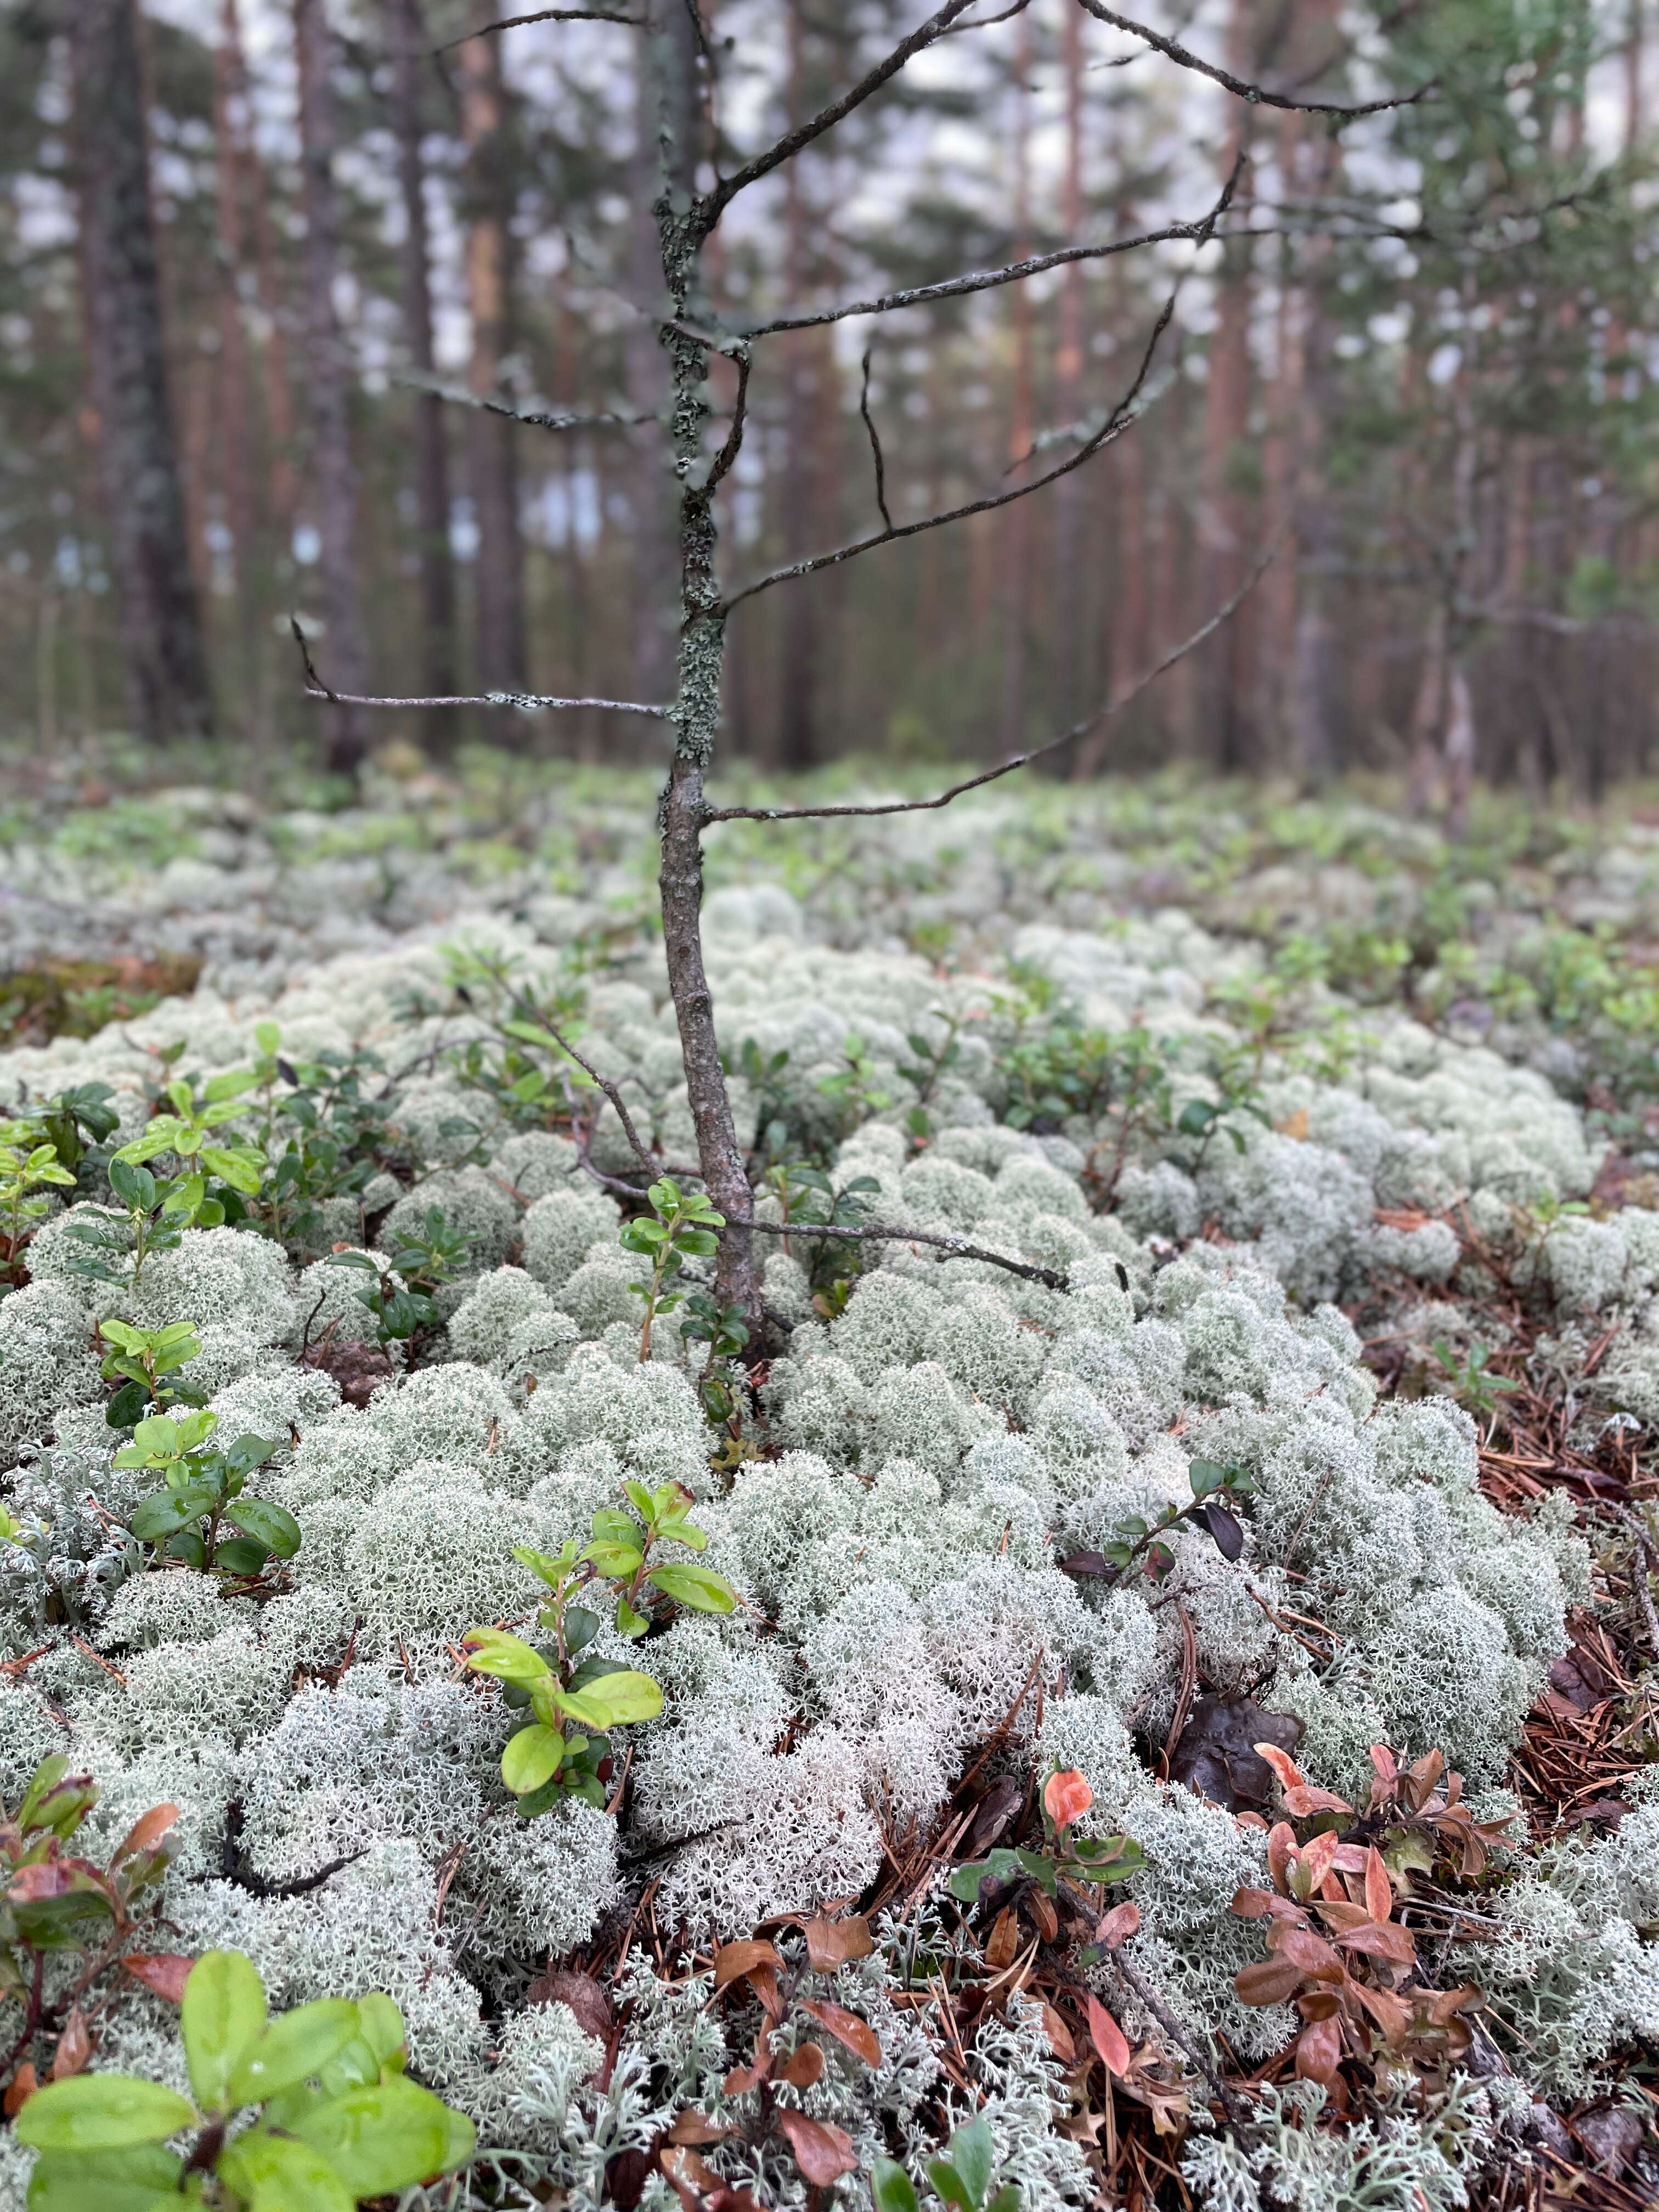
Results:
[1144, 1668]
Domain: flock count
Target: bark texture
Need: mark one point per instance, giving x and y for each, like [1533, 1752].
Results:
[169, 691]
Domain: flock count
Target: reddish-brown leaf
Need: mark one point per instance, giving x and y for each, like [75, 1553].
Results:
[164, 1972]
[857, 2035]
[74, 2046]
[1118, 1925]
[832, 1943]
[1252, 1904]
[1041, 1907]
[1267, 1981]
[1379, 1891]
[1107, 2038]
[693, 2177]
[823, 2151]
[1281, 1849]
[1382, 1940]
[804, 2068]
[581, 1993]
[1383, 1760]
[744, 2078]
[1304, 1949]
[1391, 2014]
[1003, 1940]
[21, 2088]
[1319, 2052]
[146, 1831]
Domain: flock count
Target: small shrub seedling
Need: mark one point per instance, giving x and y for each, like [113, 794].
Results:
[336, 2119]
[141, 1360]
[188, 1133]
[1470, 1380]
[56, 1902]
[1136, 1547]
[29, 1170]
[201, 1489]
[965, 2176]
[420, 1262]
[547, 1758]
[1064, 1857]
[680, 1226]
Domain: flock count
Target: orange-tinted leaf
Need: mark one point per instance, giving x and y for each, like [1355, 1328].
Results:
[857, 2035]
[692, 2176]
[146, 1831]
[1058, 2035]
[1040, 1908]
[1379, 1891]
[823, 2152]
[164, 1972]
[697, 2128]
[1119, 1924]
[1446, 2004]
[1315, 1861]
[744, 2078]
[1107, 2038]
[21, 2088]
[832, 1943]
[1312, 1952]
[1252, 1904]
[1319, 2051]
[1383, 1760]
[1003, 1940]
[74, 2046]
[1290, 1776]
[1066, 1797]
[804, 2068]
[733, 1960]
[1391, 2014]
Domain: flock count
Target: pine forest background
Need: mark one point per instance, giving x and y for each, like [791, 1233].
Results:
[1420, 361]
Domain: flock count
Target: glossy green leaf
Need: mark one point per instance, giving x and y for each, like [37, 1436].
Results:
[388, 2136]
[241, 1555]
[104, 2180]
[293, 2046]
[700, 1587]
[891, 2187]
[100, 2111]
[166, 1511]
[221, 2015]
[614, 1700]
[268, 1524]
[492, 1651]
[532, 1758]
[973, 2154]
[281, 2174]
[382, 2026]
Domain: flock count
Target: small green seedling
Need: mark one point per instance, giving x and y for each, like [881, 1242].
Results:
[200, 1489]
[420, 1262]
[964, 2177]
[336, 2119]
[547, 1758]
[1472, 1383]
[188, 1133]
[1064, 1857]
[680, 1226]
[141, 1360]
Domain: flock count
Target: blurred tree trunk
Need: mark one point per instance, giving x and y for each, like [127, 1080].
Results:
[1016, 532]
[235, 412]
[276, 405]
[1311, 556]
[1223, 508]
[492, 440]
[408, 39]
[328, 389]
[1072, 667]
[168, 690]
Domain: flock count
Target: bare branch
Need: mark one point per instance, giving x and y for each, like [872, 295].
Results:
[984, 22]
[541, 15]
[539, 419]
[1105, 712]
[954, 1248]
[875, 442]
[985, 280]
[1258, 95]
[528, 703]
[733, 446]
[709, 211]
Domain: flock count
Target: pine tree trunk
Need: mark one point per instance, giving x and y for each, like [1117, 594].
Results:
[492, 440]
[1071, 660]
[805, 396]
[1016, 532]
[409, 39]
[168, 690]
[328, 381]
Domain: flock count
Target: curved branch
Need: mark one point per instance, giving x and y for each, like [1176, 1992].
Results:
[1258, 95]
[709, 210]
[542, 419]
[541, 15]
[985, 280]
[1104, 713]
